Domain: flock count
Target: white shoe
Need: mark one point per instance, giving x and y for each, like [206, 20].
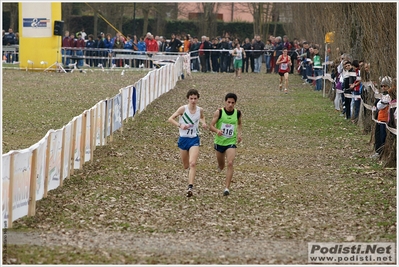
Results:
[375, 156]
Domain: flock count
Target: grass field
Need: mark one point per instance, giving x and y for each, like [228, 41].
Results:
[302, 174]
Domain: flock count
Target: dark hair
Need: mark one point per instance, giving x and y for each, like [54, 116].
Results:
[355, 63]
[192, 92]
[231, 95]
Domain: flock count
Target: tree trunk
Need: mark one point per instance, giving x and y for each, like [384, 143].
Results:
[256, 18]
[368, 98]
[275, 18]
[160, 16]
[175, 11]
[266, 22]
[95, 24]
[14, 17]
[389, 152]
[145, 21]
[260, 24]
[66, 15]
[208, 21]
[232, 12]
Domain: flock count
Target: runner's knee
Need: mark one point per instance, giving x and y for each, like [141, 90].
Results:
[230, 163]
[193, 164]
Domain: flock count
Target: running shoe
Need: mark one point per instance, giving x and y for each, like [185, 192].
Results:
[189, 192]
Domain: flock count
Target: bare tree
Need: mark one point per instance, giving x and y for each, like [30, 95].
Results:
[66, 11]
[208, 21]
[161, 12]
[254, 9]
[267, 18]
[175, 11]
[147, 9]
[261, 13]
[366, 31]
[13, 9]
[146, 12]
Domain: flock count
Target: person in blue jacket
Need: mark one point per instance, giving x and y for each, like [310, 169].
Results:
[142, 48]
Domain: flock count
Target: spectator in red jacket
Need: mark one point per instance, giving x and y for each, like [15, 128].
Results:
[65, 51]
[72, 44]
[80, 43]
[152, 47]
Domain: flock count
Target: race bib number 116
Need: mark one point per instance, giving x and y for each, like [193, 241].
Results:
[228, 130]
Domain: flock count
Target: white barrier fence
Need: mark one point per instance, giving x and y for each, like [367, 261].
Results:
[28, 174]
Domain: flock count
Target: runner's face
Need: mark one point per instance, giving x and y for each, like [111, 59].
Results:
[230, 103]
[192, 99]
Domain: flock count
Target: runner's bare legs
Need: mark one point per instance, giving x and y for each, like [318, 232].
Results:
[228, 156]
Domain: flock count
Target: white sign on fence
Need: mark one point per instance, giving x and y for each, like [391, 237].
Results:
[78, 136]
[5, 188]
[20, 194]
[55, 160]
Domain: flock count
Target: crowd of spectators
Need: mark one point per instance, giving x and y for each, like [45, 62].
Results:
[352, 85]
[207, 54]
[107, 50]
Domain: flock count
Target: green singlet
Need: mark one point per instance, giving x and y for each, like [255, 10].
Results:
[228, 125]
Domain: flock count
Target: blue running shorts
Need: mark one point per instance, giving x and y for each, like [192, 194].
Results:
[185, 143]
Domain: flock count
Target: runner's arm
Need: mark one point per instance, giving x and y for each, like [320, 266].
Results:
[212, 126]
[202, 119]
[177, 113]
[278, 60]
